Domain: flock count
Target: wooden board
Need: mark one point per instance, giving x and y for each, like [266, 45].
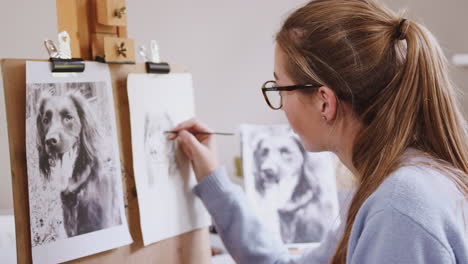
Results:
[111, 47]
[106, 12]
[67, 20]
[188, 248]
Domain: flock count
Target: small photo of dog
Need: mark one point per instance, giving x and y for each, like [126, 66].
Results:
[291, 187]
[71, 169]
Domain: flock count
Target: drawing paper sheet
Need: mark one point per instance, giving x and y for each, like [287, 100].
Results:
[292, 191]
[7, 238]
[163, 175]
[74, 173]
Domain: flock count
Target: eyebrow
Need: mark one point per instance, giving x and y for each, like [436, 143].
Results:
[64, 112]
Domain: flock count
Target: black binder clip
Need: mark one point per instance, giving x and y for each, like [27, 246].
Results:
[67, 65]
[153, 63]
[60, 59]
[161, 67]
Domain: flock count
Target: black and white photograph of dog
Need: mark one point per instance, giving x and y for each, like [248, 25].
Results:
[71, 164]
[291, 188]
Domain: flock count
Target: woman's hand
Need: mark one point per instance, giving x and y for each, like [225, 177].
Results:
[200, 149]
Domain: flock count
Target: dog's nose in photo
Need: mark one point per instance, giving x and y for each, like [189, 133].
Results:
[52, 141]
[271, 176]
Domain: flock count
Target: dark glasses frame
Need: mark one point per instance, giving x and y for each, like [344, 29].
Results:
[283, 88]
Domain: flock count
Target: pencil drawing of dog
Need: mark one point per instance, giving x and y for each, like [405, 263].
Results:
[67, 130]
[285, 183]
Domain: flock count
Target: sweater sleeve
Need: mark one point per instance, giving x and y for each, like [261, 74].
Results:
[242, 232]
[390, 236]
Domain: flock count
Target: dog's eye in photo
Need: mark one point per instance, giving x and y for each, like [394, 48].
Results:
[264, 152]
[285, 151]
[68, 118]
[45, 121]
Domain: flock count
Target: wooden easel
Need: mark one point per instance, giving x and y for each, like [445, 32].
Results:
[97, 28]
[193, 247]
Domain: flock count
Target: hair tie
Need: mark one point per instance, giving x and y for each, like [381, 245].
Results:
[401, 30]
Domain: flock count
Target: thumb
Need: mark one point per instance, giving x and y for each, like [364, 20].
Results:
[190, 141]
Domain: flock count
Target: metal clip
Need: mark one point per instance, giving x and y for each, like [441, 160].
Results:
[153, 60]
[51, 48]
[64, 46]
[143, 53]
[60, 58]
[154, 47]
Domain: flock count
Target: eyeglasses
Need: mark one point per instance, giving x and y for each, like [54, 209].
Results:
[272, 93]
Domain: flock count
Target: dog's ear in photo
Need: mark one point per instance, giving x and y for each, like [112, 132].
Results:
[44, 165]
[308, 181]
[88, 153]
[259, 180]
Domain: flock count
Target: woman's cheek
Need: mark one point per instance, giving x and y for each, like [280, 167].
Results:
[292, 110]
[303, 123]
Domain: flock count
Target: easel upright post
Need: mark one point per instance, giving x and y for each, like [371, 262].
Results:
[98, 29]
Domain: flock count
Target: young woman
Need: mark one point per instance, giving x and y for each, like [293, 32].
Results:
[358, 80]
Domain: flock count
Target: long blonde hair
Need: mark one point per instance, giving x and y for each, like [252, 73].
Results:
[393, 74]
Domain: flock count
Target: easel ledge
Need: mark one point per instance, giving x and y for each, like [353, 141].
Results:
[192, 247]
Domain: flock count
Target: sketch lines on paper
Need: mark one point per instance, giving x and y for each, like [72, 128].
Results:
[163, 174]
[160, 153]
[71, 164]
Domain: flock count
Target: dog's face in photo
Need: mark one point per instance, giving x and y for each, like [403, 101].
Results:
[64, 125]
[60, 125]
[277, 159]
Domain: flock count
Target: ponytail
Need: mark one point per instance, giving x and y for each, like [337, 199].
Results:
[393, 74]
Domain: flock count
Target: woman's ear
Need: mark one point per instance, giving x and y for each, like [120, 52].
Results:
[327, 103]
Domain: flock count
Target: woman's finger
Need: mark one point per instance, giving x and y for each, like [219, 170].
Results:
[190, 141]
[192, 125]
[187, 151]
[171, 136]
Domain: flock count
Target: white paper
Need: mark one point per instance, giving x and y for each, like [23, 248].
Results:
[293, 191]
[74, 173]
[7, 238]
[163, 176]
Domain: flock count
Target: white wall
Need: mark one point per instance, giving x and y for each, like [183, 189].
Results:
[227, 45]
[6, 193]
